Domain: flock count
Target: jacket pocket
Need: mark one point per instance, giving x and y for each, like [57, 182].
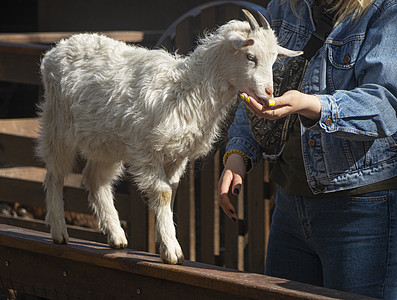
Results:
[342, 57]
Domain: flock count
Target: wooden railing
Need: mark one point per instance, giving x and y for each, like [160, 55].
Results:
[31, 264]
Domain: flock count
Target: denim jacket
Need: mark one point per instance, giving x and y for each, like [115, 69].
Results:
[355, 76]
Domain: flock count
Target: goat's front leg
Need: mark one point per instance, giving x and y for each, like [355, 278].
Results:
[170, 250]
[159, 184]
[159, 191]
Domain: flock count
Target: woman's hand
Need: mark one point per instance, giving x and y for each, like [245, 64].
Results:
[232, 177]
[290, 103]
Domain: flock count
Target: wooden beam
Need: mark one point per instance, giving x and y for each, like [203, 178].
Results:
[53, 37]
[20, 54]
[26, 127]
[92, 270]
[25, 185]
[39, 225]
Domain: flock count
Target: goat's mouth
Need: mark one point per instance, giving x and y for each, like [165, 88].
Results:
[264, 101]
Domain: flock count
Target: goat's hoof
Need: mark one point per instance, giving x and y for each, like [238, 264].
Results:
[118, 241]
[173, 257]
[60, 238]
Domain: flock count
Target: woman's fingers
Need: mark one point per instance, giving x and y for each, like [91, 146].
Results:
[231, 179]
[262, 111]
[225, 182]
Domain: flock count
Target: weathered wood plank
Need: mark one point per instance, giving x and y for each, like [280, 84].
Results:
[83, 268]
[53, 37]
[24, 185]
[26, 127]
[20, 56]
[57, 278]
[39, 225]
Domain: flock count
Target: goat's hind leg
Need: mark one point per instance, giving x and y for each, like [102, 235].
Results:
[58, 166]
[55, 216]
[98, 178]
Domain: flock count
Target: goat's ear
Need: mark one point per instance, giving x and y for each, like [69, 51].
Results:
[239, 41]
[284, 52]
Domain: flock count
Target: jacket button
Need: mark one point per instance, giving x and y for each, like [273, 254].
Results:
[311, 142]
[346, 59]
[328, 122]
[319, 186]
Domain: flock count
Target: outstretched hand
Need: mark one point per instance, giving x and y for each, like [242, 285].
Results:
[290, 103]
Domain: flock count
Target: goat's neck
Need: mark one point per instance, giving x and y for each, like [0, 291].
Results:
[207, 81]
[205, 99]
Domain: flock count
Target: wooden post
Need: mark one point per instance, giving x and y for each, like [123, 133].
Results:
[256, 220]
[231, 237]
[185, 214]
[138, 236]
[210, 235]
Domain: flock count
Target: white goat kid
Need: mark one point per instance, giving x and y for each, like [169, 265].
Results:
[113, 103]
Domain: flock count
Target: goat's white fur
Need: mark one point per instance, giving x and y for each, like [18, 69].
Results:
[114, 103]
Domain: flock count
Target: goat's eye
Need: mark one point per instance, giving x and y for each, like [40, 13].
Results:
[252, 57]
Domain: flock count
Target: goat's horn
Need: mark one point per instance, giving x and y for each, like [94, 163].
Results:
[263, 21]
[251, 20]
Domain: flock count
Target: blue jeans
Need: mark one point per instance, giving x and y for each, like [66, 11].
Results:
[347, 243]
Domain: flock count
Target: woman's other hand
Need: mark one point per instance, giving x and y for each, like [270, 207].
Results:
[231, 178]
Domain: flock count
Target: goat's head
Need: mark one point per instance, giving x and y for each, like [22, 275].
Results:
[254, 50]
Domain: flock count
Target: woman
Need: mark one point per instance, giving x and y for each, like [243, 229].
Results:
[335, 221]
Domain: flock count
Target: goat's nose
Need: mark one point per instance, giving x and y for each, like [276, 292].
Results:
[269, 92]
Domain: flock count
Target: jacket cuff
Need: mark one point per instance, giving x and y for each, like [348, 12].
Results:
[328, 119]
[251, 152]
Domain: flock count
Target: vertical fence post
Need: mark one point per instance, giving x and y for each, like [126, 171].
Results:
[256, 219]
[241, 239]
[270, 193]
[209, 220]
[185, 208]
[138, 221]
[184, 36]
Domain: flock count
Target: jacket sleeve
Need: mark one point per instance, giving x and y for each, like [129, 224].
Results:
[241, 138]
[369, 110]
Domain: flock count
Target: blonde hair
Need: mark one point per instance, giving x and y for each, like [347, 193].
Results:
[345, 8]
